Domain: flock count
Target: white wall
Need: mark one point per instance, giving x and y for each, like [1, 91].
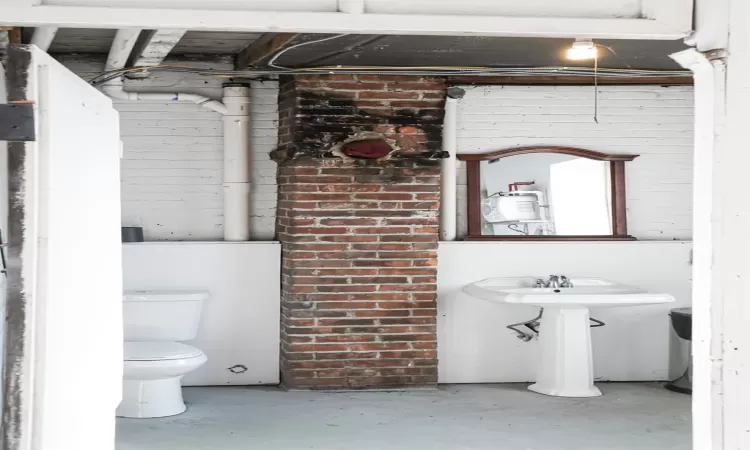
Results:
[173, 155]
[653, 121]
[475, 347]
[240, 322]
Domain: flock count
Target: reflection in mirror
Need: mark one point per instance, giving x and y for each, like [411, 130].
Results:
[546, 194]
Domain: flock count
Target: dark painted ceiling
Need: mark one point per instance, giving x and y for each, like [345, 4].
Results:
[385, 50]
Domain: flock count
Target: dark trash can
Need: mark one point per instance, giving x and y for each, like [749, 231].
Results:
[132, 234]
[682, 322]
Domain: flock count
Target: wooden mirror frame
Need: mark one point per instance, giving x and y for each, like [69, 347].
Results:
[619, 211]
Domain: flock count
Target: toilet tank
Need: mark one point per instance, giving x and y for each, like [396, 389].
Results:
[162, 315]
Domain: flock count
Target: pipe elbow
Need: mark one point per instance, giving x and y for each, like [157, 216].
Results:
[115, 91]
[214, 105]
[202, 101]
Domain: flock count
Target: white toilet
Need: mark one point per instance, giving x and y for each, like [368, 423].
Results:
[154, 362]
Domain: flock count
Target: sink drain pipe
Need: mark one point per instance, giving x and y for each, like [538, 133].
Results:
[533, 325]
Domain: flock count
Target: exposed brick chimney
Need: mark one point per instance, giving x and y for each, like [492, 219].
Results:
[359, 236]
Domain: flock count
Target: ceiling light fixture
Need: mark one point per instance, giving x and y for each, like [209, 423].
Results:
[581, 50]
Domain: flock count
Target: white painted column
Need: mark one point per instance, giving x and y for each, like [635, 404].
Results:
[448, 188]
[237, 162]
[731, 241]
[721, 270]
[710, 91]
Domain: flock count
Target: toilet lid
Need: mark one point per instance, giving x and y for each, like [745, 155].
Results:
[158, 351]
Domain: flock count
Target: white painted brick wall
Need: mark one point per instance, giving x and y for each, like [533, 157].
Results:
[173, 156]
[653, 121]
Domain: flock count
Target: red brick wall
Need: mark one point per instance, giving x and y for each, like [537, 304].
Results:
[317, 112]
[359, 237]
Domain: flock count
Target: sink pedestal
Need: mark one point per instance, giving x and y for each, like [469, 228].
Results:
[566, 368]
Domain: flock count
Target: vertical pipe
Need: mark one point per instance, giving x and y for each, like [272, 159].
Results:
[448, 217]
[237, 162]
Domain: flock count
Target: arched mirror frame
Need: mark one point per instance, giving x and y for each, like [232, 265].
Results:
[619, 210]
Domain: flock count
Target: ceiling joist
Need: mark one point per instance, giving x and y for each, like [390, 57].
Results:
[266, 45]
[154, 46]
[43, 37]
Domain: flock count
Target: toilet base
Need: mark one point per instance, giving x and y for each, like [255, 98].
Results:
[143, 399]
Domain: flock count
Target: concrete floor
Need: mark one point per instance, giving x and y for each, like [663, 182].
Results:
[498, 417]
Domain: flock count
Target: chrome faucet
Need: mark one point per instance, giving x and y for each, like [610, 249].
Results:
[554, 282]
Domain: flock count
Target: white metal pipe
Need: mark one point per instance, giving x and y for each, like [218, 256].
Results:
[236, 111]
[122, 46]
[237, 162]
[448, 173]
[43, 37]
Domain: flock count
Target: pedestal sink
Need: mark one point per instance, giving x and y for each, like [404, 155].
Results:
[565, 368]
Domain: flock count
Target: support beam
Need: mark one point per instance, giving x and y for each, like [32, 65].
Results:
[14, 35]
[657, 19]
[567, 80]
[721, 261]
[8, 36]
[4, 42]
[708, 301]
[154, 46]
[43, 37]
[263, 47]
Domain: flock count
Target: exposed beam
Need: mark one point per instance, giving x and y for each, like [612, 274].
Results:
[154, 46]
[43, 37]
[566, 80]
[266, 45]
[8, 36]
[510, 20]
[4, 42]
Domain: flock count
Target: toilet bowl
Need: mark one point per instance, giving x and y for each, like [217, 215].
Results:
[154, 361]
[151, 378]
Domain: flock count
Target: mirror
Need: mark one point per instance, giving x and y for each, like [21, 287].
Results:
[546, 194]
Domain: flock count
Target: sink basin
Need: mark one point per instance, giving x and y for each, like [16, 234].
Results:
[566, 367]
[586, 292]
